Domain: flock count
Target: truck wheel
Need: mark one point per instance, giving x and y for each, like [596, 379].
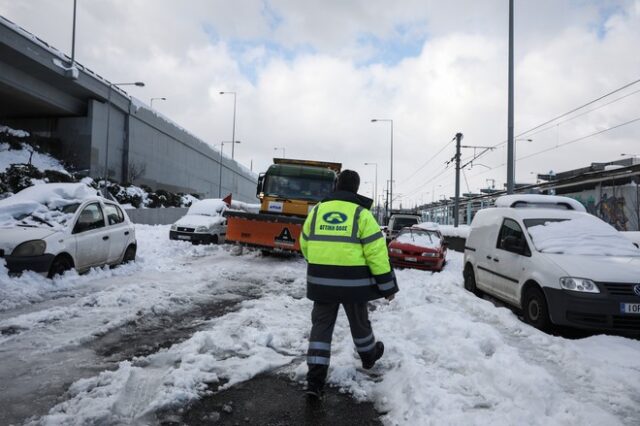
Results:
[470, 280]
[535, 310]
[59, 266]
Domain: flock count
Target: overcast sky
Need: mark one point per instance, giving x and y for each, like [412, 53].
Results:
[310, 76]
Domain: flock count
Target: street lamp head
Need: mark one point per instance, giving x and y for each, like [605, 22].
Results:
[139, 84]
[373, 120]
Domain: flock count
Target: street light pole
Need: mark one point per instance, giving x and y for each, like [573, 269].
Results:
[376, 181]
[233, 132]
[391, 171]
[155, 99]
[106, 148]
[220, 177]
[510, 142]
[282, 148]
[73, 35]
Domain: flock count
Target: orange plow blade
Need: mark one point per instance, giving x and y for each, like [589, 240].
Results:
[264, 231]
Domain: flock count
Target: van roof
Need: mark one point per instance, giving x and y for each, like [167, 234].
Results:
[534, 213]
[539, 201]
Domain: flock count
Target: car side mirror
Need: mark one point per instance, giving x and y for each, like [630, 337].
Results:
[513, 244]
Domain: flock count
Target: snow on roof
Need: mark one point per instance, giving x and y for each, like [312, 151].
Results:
[208, 207]
[538, 200]
[429, 226]
[42, 200]
[584, 235]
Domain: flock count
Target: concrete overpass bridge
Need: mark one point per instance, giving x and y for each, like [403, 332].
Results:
[43, 93]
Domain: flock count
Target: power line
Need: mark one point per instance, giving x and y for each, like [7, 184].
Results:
[580, 107]
[626, 123]
[577, 109]
[428, 161]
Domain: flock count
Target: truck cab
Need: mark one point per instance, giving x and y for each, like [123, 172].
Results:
[292, 187]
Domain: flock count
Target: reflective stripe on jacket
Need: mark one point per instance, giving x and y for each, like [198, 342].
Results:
[346, 252]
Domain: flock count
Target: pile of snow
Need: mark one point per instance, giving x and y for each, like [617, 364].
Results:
[420, 238]
[462, 360]
[13, 132]
[45, 202]
[245, 207]
[585, 235]
[462, 231]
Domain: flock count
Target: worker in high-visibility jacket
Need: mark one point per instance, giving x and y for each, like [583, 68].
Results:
[348, 264]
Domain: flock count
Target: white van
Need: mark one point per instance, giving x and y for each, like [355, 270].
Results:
[560, 265]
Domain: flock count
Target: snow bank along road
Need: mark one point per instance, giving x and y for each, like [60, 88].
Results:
[95, 349]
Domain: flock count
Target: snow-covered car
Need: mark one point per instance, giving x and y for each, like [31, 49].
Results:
[418, 248]
[399, 221]
[50, 228]
[560, 265]
[203, 223]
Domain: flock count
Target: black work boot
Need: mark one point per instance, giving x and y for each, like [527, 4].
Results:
[315, 391]
[369, 359]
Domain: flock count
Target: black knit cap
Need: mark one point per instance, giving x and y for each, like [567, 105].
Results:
[348, 180]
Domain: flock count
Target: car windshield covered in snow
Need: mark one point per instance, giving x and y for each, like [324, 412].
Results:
[212, 207]
[419, 237]
[47, 205]
[585, 235]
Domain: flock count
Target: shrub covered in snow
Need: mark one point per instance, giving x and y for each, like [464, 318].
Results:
[25, 161]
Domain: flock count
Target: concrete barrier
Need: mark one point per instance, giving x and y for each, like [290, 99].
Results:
[161, 216]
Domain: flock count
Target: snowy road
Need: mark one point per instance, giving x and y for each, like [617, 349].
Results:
[118, 346]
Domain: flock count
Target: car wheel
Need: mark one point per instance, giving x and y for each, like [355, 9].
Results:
[129, 255]
[470, 280]
[214, 239]
[59, 266]
[535, 310]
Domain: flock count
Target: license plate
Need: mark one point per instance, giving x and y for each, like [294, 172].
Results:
[411, 259]
[630, 308]
[184, 237]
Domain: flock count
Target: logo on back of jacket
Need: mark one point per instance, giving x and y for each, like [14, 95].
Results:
[335, 221]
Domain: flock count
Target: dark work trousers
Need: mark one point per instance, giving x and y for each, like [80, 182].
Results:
[323, 319]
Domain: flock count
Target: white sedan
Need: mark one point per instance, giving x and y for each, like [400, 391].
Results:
[203, 223]
[51, 228]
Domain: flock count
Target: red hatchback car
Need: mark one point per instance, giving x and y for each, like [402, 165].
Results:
[418, 248]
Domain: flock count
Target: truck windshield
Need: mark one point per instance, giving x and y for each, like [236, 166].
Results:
[295, 182]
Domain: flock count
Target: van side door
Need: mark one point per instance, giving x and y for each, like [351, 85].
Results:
[510, 259]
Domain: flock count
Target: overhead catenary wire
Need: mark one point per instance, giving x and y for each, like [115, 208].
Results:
[560, 145]
[428, 161]
[619, 89]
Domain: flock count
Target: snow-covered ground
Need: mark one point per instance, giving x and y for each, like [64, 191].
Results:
[451, 358]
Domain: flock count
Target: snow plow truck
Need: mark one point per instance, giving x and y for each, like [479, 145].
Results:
[287, 191]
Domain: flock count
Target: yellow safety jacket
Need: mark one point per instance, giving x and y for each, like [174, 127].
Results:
[346, 252]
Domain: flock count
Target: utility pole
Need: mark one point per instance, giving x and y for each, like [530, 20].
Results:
[456, 205]
[458, 137]
[510, 141]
